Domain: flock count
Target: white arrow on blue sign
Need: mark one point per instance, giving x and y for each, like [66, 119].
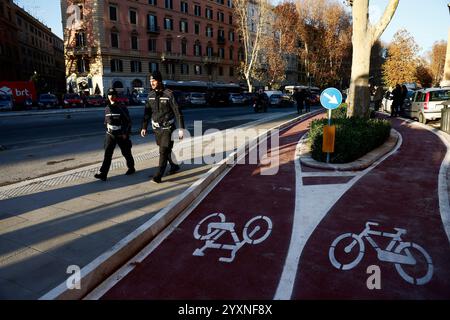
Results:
[331, 98]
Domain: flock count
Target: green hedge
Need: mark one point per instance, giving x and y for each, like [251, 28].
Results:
[354, 137]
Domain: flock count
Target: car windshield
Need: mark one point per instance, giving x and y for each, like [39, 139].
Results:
[276, 96]
[4, 97]
[440, 95]
[197, 95]
[94, 97]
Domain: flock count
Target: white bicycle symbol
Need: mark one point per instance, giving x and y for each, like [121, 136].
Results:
[216, 229]
[401, 256]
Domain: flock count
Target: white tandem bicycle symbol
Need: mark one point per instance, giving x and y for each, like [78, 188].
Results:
[401, 255]
[215, 230]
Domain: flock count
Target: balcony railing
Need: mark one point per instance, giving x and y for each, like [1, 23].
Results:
[211, 60]
[170, 56]
[81, 51]
[153, 29]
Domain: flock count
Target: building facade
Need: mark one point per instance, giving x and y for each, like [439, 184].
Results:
[118, 43]
[29, 50]
[9, 48]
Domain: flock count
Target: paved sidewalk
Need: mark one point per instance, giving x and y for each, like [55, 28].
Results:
[307, 233]
[71, 218]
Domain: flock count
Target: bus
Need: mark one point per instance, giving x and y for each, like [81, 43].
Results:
[216, 93]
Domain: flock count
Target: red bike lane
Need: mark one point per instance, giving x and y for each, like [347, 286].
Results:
[261, 208]
[401, 192]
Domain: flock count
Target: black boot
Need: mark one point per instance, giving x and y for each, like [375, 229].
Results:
[100, 176]
[130, 171]
[174, 168]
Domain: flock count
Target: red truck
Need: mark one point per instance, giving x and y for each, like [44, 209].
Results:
[21, 91]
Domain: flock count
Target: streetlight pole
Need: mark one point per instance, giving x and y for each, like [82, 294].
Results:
[446, 79]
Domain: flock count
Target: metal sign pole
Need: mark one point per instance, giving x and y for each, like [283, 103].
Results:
[329, 124]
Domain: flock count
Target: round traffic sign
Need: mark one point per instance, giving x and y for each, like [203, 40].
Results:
[331, 98]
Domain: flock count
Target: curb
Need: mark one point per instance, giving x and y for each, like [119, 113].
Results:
[357, 165]
[106, 264]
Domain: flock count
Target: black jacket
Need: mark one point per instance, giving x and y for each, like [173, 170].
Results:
[162, 108]
[117, 119]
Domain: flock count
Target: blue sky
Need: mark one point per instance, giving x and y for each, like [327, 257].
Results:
[427, 21]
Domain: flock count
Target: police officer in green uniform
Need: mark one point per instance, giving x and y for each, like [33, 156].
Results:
[162, 110]
[118, 129]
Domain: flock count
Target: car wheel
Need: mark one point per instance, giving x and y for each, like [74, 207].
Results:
[422, 118]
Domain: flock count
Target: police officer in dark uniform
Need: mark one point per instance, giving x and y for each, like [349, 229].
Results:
[118, 129]
[162, 110]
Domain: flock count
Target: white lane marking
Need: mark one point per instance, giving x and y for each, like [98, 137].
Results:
[312, 203]
[443, 190]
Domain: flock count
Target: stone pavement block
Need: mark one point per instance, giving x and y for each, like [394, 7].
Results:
[9, 248]
[7, 221]
[45, 214]
[79, 204]
[41, 233]
[38, 217]
[83, 250]
[11, 290]
[33, 270]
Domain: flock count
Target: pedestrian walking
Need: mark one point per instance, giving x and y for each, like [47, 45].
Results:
[404, 95]
[307, 100]
[378, 97]
[118, 130]
[299, 97]
[162, 110]
[260, 101]
[396, 101]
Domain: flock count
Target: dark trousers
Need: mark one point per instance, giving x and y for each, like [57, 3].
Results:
[299, 106]
[308, 107]
[110, 144]
[165, 143]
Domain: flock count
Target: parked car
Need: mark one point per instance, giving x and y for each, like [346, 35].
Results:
[386, 103]
[274, 97]
[314, 96]
[47, 100]
[287, 100]
[197, 98]
[181, 98]
[122, 98]
[426, 104]
[249, 97]
[142, 98]
[236, 98]
[94, 101]
[28, 103]
[405, 108]
[6, 102]
[72, 100]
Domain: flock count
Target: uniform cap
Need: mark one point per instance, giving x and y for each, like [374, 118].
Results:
[112, 92]
[156, 75]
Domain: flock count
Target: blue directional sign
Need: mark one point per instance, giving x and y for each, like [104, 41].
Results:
[331, 98]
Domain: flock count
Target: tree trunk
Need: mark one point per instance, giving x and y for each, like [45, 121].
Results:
[249, 83]
[359, 97]
[364, 36]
